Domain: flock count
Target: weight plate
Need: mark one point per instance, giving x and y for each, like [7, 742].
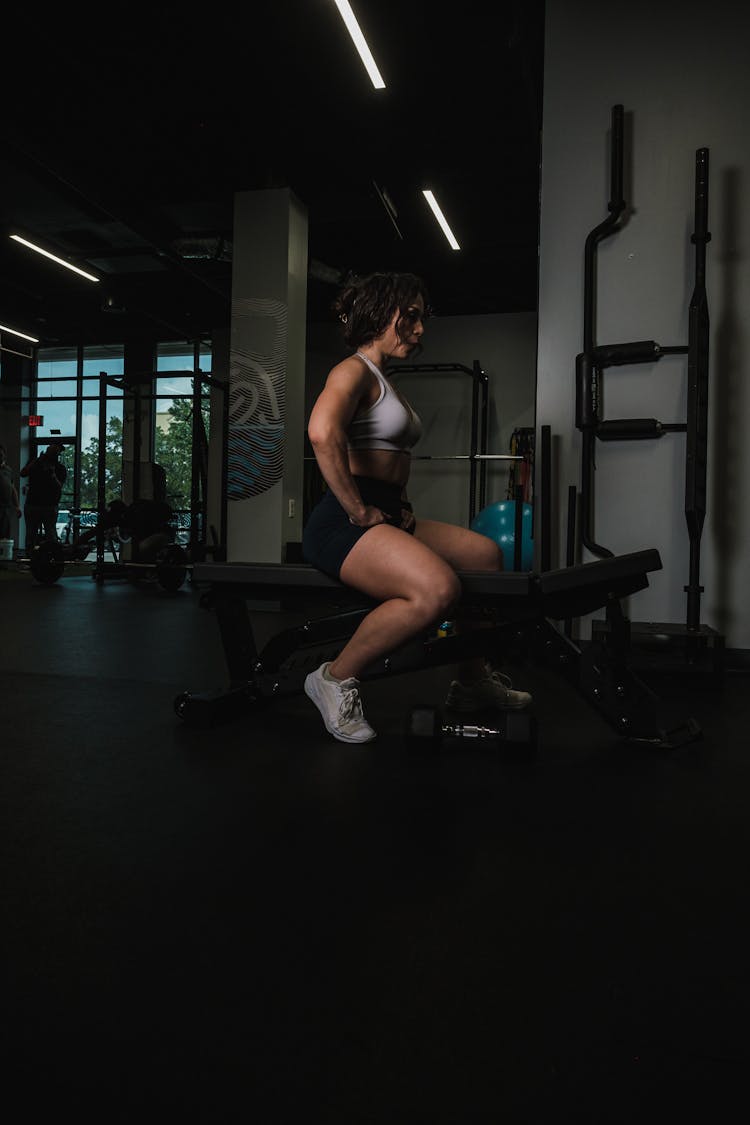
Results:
[47, 562]
[171, 568]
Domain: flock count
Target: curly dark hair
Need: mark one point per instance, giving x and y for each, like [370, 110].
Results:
[366, 305]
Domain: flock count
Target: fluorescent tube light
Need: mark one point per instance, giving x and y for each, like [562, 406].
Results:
[15, 332]
[359, 41]
[53, 257]
[441, 219]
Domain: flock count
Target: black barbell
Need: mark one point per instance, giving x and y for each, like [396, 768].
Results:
[170, 566]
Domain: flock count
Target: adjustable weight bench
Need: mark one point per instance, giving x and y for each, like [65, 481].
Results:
[510, 605]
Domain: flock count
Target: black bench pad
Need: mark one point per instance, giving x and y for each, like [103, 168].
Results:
[555, 593]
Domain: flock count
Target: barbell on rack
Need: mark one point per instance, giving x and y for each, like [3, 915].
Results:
[467, 457]
[170, 566]
[460, 457]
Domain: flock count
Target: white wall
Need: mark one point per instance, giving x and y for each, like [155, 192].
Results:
[505, 346]
[682, 74]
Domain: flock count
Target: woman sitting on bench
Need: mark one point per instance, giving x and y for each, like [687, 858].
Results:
[363, 531]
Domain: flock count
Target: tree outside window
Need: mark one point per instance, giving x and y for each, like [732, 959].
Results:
[173, 448]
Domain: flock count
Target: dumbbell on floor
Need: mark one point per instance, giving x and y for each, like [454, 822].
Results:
[426, 728]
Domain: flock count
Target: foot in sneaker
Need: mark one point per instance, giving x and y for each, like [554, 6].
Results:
[339, 703]
[493, 690]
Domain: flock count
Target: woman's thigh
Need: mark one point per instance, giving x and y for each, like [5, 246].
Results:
[389, 563]
[461, 548]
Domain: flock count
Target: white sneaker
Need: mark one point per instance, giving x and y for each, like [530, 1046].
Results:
[494, 690]
[339, 703]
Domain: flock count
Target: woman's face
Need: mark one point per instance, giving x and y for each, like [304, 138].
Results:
[405, 329]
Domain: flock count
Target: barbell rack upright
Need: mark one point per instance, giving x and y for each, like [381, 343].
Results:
[592, 361]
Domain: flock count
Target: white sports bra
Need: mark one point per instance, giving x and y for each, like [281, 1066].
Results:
[388, 424]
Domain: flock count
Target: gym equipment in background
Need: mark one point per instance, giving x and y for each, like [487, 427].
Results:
[509, 523]
[169, 567]
[510, 605]
[521, 472]
[594, 358]
[479, 421]
[133, 389]
[478, 456]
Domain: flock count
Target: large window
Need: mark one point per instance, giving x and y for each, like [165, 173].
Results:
[56, 402]
[95, 362]
[57, 394]
[68, 398]
[180, 446]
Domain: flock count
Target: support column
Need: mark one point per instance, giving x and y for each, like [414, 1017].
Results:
[267, 376]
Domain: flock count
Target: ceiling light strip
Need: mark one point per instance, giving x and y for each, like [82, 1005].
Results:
[53, 257]
[15, 332]
[359, 41]
[434, 207]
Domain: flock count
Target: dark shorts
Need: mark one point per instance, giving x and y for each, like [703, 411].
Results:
[329, 537]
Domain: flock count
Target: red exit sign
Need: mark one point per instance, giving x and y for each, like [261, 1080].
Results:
[36, 420]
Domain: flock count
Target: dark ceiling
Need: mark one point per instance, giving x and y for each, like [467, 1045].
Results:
[127, 136]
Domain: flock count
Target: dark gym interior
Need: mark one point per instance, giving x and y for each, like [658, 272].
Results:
[249, 921]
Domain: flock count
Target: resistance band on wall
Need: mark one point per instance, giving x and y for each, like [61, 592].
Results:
[521, 473]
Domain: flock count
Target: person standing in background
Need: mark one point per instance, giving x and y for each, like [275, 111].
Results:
[46, 476]
[9, 502]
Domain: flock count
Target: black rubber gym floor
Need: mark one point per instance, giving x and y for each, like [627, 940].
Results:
[259, 923]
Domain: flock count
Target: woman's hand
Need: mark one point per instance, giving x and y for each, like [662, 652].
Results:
[407, 519]
[370, 517]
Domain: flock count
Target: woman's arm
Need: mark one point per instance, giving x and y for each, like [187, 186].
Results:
[347, 386]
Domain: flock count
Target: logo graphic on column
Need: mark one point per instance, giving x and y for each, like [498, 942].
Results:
[257, 396]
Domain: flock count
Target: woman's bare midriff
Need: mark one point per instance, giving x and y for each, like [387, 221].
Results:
[380, 464]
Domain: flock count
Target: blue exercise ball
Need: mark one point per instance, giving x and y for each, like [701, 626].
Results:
[498, 522]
